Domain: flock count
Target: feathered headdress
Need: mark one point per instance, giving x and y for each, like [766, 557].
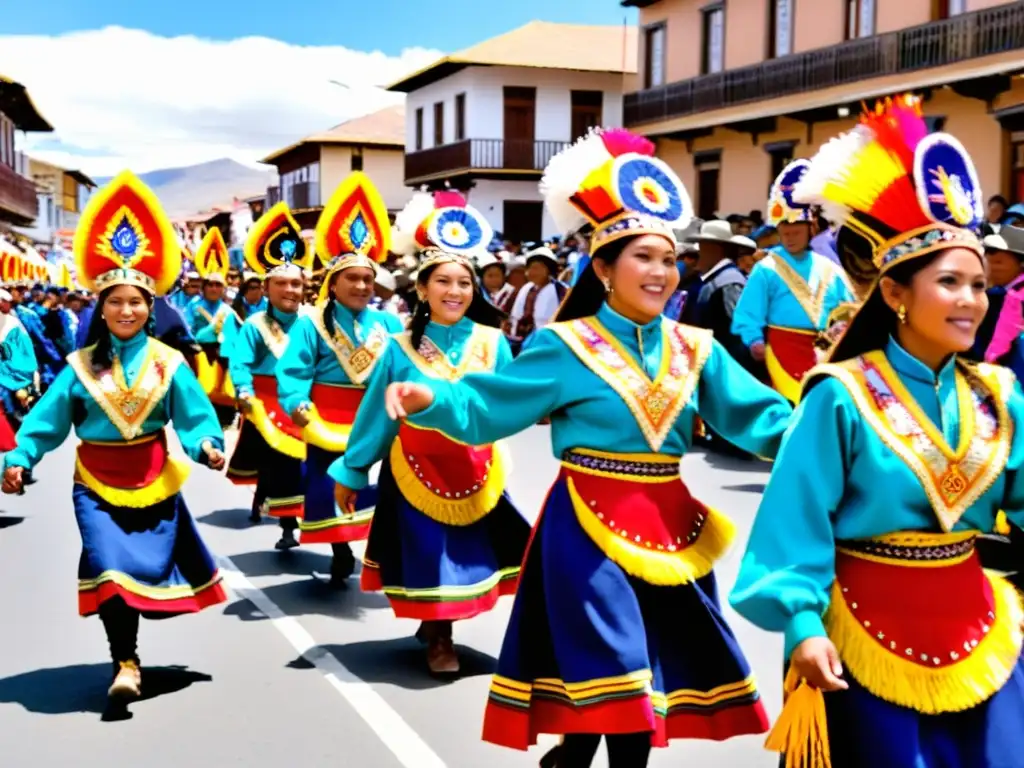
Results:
[782, 208]
[274, 246]
[212, 257]
[907, 192]
[125, 238]
[611, 180]
[443, 227]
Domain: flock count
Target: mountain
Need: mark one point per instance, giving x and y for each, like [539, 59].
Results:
[196, 188]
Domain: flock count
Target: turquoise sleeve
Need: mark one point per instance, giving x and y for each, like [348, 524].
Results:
[740, 408]
[192, 414]
[244, 352]
[393, 323]
[17, 371]
[482, 408]
[1013, 492]
[372, 431]
[504, 355]
[47, 425]
[751, 314]
[294, 370]
[787, 571]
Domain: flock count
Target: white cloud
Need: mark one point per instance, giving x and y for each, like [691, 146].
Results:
[121, 98]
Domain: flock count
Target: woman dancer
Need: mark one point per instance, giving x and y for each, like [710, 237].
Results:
[616, 628]
[877, 585]
[270, 449]
[141, 553]
[331, 352]
[446, 541]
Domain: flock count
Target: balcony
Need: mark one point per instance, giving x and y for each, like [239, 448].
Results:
[18, 201]
[299, 196]
[520, 158]
[968, 36]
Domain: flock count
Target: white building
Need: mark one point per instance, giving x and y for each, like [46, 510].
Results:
[486, 120]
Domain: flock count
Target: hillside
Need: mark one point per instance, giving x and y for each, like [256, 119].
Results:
[199, 187]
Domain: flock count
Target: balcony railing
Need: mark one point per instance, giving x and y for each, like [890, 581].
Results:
[967, 36]
[17, 195]
[304, 194]
[480, 155]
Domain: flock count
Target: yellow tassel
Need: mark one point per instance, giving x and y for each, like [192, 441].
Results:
[1002, 524]
[326, 435]
[931, 691]
[170, 480]
[276, 438]
[464, 511]
[654, 566]
[801, 732]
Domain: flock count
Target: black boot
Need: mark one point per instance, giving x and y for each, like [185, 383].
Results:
[287, 540]
[343, 564]
[256, 515]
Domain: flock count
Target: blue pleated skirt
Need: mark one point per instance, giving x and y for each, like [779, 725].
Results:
[322, 521]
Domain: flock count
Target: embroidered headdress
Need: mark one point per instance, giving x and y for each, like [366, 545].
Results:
[782, 208]
[125, 238]
[212, 258]
[353, 230]
[611, 180]
[441, 227]
[274, 246]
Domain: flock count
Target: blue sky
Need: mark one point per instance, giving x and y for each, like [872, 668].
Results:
[385, 25]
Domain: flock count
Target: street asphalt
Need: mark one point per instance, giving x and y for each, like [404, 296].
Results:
[286, 673]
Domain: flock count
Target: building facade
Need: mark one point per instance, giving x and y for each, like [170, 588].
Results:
[731, 91]
[488, 119]
[61, 196]
[18, 201]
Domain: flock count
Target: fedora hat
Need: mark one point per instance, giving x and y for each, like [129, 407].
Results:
[1010, 239]
[719, 231]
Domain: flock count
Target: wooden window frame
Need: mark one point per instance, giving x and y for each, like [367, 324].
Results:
[772, 44]
[648, 32]
[418, 143]
[706, 15]
[855, 33]
[356, 159]
[460, 117]
[438, 123]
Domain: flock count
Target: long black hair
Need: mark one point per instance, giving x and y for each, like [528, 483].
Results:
[588, 294]
[480, 309]
[99, 333]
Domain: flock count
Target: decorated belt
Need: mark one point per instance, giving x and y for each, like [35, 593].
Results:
[330, 420]
[137, 473]
[919, 623]
[638, 511]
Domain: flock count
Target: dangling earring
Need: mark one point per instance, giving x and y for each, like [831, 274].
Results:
[607, 284]
[901, 313]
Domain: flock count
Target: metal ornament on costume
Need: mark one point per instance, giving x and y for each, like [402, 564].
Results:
[611, 180]
[782, 208]
[441, 227]
[125, 238]
[212, 257]
[274, 246]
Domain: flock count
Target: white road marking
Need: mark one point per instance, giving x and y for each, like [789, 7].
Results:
[396, 734]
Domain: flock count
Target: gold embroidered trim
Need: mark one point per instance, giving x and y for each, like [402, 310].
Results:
[952, 480]
[480, 356]
[273, 335]
[128, 407]
[357, 361]
[812, 303]
[216, 321]
[654, 404]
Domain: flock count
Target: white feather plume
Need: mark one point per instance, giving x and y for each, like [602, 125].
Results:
[408, 220]
[564, 175]
[827, 166]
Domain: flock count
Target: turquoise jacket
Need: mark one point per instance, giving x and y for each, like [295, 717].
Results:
[17, 356]
[67, 403]
[767, 300]
[201, 328]
[835, 479]
[259, 306]
[548, 379]
[310, 360]
[373, 431]
[250, 355]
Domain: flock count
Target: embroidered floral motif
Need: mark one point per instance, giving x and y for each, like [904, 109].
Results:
[812, 303]
[654, 404]
[356, 361]
[128, 407]
[481, 355]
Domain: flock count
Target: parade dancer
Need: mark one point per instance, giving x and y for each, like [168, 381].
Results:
[446, 541]
[270, 448]
[17, 372]
[214, 324]
[331, 352]
[865, 559]
[141, 552]
[791, 293]
[616, 627]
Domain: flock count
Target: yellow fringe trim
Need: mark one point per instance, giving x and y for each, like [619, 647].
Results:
[450, 511]
[170, 480]
[326, 435]
[931, 691]
[653, 566]
[801, 732]
[784, 384]
[1002, 526]
[276, 438]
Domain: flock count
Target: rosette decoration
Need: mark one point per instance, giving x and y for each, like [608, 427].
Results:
[782, 208]
[442, 227]
[611, 182]
[212, 259]
[125, 238]
[274, 246]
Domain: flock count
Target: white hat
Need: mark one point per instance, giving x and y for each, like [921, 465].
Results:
[5, 295]
[718, 231]
[386, 280]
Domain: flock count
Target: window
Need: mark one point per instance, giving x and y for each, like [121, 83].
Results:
[586, 112]
[654, 56]
[439, 124]
[781, 153]
[300, 188]
[460, 117]
[6, 141]
[860, 18]
[708, 165]
[357, 158]
[70, 202]
[419, 129]
[713, 53]
[943, 9]
[780, 28]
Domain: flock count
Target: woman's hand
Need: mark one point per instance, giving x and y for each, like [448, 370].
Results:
[345, 498]
[301, 416]
[13, 480]
[404, 398]
[816, 660]
[214, 457]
